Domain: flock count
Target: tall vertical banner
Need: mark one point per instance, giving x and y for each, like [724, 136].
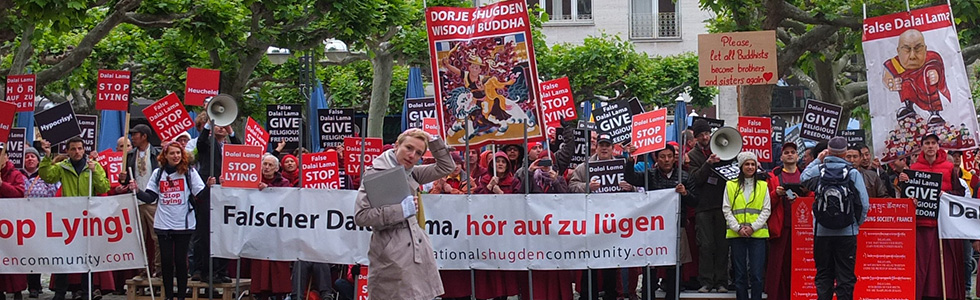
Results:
[556, 102]
[485, 73]
[418, 109]
[917, 83]
[20, 91]
[354, 155]
[16, 144]
[255, 135]
[112, 90]
[649, 131]
[335, 125]
[756, 136]
[201, 84]
[241, 166]
[284, 122]
[885, 262]
[321, 171]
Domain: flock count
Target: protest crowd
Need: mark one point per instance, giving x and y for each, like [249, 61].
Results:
[739, 209]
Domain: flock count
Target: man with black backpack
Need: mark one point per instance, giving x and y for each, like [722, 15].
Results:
[839, 209]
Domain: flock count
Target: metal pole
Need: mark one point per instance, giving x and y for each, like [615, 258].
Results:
[527, 190]
[469, 191]
[588, 188]
[210, 288]
[238, 275]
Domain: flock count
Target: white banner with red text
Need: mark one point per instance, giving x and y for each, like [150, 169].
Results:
[69, 235]
[507, 232]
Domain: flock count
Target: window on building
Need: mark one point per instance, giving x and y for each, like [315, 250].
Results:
[565, 11]
[654, 19]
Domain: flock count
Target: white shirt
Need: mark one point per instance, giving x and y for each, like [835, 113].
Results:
[173, 210]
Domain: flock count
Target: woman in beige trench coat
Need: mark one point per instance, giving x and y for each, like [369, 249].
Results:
[402, 265]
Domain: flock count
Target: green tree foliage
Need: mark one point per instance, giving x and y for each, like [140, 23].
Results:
[608, 66]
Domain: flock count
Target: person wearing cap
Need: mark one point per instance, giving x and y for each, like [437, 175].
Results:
[74, 174]
[928, 271]
[35, 187]
[780, 222]
[581, 183]
[183, 138]
[746, 205]
[665, 176]
[290, 169]
[140, 163]
[709, 220]
[834, 250]
[11, 186]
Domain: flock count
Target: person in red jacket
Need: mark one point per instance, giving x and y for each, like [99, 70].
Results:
[928, 272]
[11, 186]
[270, 279]
[500, 180]
[783, 191]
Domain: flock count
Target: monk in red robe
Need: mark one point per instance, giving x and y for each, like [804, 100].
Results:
[918, 76]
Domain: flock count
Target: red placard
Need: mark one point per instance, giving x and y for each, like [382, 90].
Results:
[201, 84]
[885, 264]
[556, 102]
[20, 91]
[430, 126]
[7, 111]
[362, 283]
[255, 135]
[111, 162]
[112, 90]
[354, 157]
[970, 161]
[168, 117]
[756, 136]
[321, 171]
[241, 166]
[649, 130]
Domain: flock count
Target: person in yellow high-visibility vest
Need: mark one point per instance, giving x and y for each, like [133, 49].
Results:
[746, 208]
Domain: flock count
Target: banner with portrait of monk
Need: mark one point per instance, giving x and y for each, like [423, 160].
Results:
[917, 83]
[484, 73]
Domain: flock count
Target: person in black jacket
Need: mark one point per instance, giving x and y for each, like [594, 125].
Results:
[202, 239]
[709, 220]
[664, 176]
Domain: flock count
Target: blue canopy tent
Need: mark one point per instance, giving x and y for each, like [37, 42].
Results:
[414, 89]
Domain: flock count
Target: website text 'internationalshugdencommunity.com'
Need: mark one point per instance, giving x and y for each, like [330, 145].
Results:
[529, 255]
[92, 260]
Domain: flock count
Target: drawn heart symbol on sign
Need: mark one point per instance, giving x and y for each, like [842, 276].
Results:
[767, 76]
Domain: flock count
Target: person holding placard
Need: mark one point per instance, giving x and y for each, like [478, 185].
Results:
[402, 265]
[665, 176]
[202, 240]
[709, 220]
[928, 262]
[174, 186]
[784, 188]
[73, 173]
[746, 206]
[11, 186]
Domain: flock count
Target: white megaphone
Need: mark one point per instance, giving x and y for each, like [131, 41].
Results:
[222, 109]
[726, 143]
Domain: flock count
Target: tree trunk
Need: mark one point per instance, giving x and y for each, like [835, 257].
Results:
[381, 65]
[755, 100]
